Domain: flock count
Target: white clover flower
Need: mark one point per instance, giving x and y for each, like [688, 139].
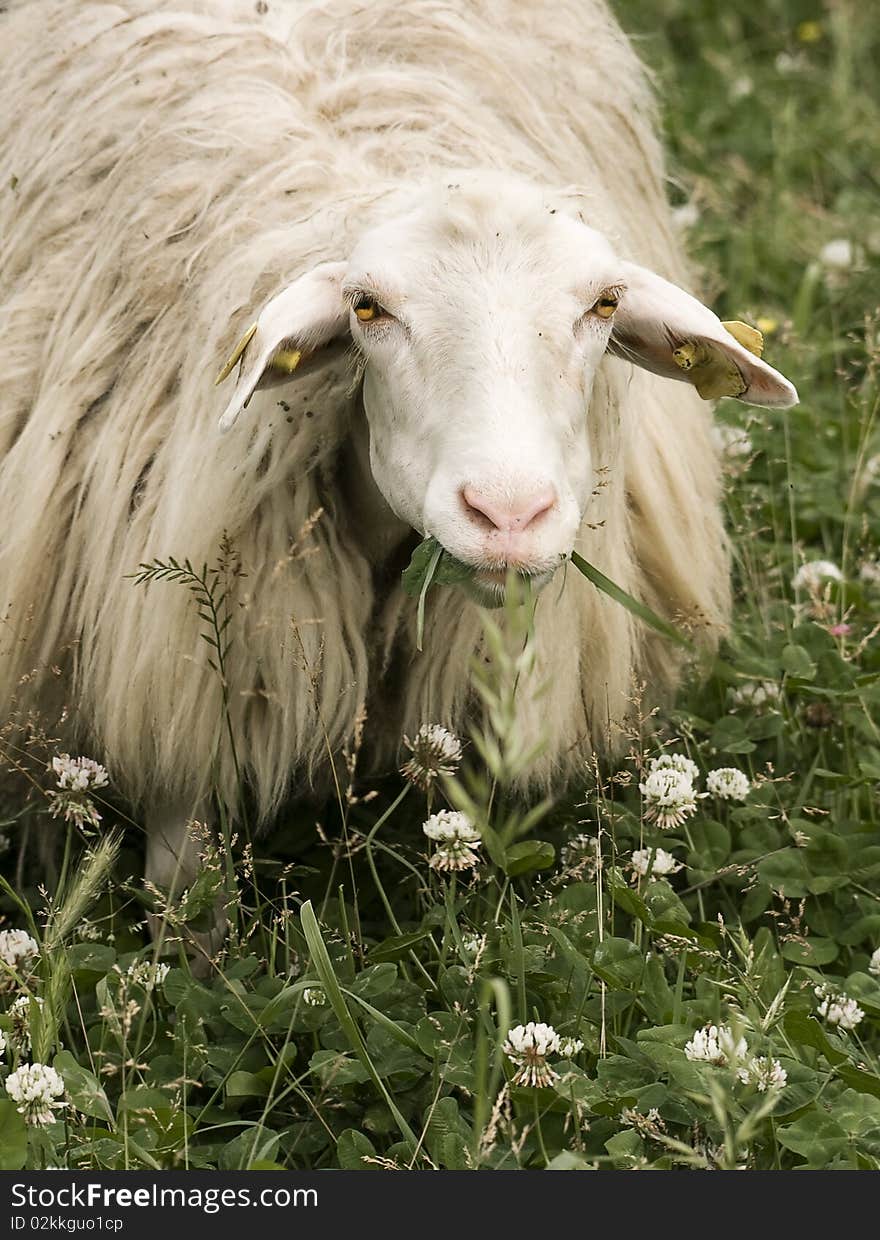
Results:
[569, 1047]
[685, 216]
[145, 973]
[764, 1073]
[454, 857]
[677, 762]
[20, 1016]
[18, 950]
[741, 87]
[528, 1046]
[457, 840]
[729, 784]
[76, 779]
[787, 63]
[717, 1044]
[670, 796]
[812, 575]
[648, 1125]
[2, 1042]
[869, 571]
[838, 255]
[473, 944]
[756, 694]
[731, 441]
[874, 966]
[435, 751]
[79, 774]
[450, 824]
[314, 996]
[74, 808]
[37, 1090]
[664, 863]
[838, 1009]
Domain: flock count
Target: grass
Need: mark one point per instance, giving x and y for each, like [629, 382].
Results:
[359, 1015]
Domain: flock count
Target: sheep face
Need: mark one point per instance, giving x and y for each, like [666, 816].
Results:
[481, 329]
[481, 315]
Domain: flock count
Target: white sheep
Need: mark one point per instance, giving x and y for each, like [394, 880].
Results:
[445, 218]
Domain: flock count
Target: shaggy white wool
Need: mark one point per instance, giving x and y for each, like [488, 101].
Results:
[174, 166]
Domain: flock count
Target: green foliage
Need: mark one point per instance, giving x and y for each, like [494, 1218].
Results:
[358, 1015]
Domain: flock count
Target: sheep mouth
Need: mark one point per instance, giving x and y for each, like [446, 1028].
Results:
[491, 584]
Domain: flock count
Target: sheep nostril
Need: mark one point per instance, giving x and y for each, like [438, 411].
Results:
[511, 515]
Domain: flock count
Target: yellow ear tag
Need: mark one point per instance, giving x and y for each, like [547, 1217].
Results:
[749, 337]
[285, 361]
[236, 354]
[709, 369]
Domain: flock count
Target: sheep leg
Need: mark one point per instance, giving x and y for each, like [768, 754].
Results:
[173, 861]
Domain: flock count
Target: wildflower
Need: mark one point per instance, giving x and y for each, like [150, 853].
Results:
[809, 32]
[76, 778]
[569, 1047]
[472, 944]
[741, 87]
[37, 1090]
[731, 441]
[815, 573]
[728, 784]
[452, 858]
[528, 1046]
[838, 255]
[18, 951]
[685, 216]
[874, 966]
[457, 840]
[670, 796]
[20, 1016]
[314, 996]
[435, 752]
[648, 1125]
[838, 1009]
[786, 63]
[79, 774]
[756, 694]
[869, 572]
[717, 1044]
[766, 326]
[678, 762]
[764, 1073]
[663, 862]
[145, 973]
[840, 630]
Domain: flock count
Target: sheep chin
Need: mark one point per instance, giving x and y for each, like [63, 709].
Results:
[490, 591]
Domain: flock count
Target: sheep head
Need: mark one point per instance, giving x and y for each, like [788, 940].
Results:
[480, 316]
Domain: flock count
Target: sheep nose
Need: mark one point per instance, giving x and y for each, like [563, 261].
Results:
[511, 515]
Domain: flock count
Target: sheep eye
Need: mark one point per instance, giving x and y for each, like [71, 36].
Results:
[605, 305]
[366, 307]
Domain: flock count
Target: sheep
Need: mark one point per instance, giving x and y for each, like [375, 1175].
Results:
[447, 222]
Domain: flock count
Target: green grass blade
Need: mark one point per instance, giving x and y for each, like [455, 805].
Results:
[320, 958]
[645, 614]
[426, 585]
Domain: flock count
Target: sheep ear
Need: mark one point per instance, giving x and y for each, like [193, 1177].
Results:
[659, 326]
[291, 331]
